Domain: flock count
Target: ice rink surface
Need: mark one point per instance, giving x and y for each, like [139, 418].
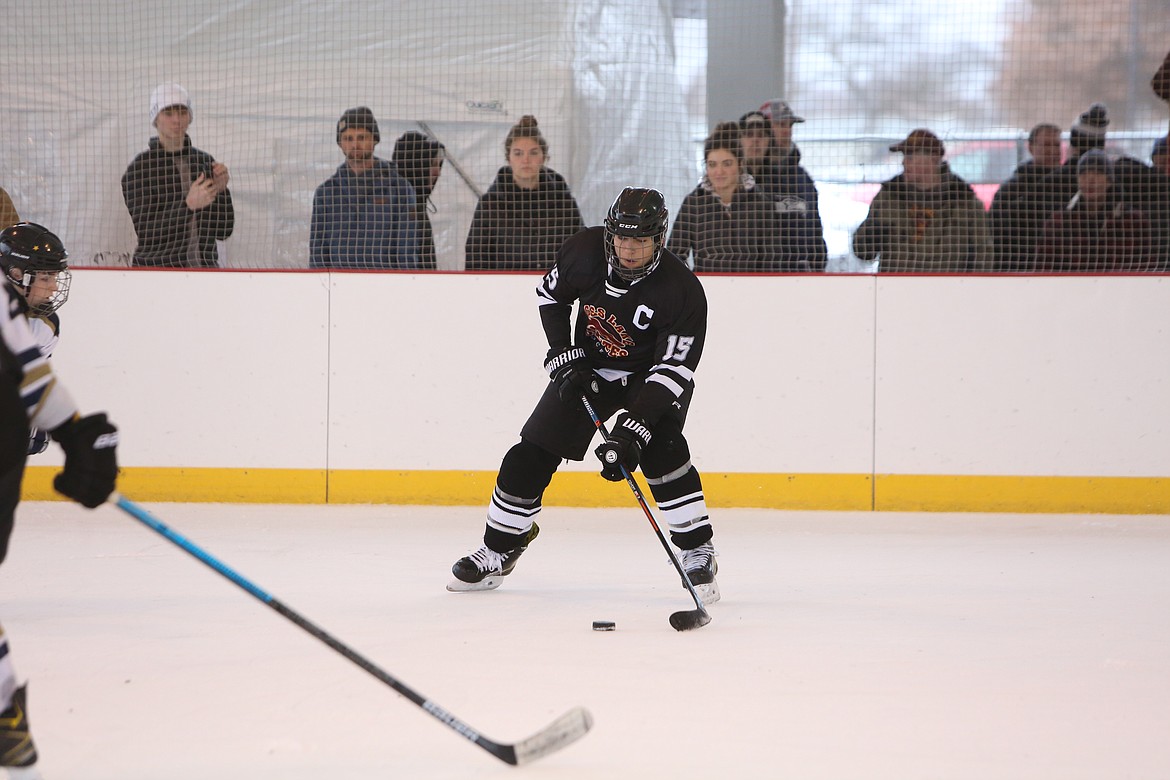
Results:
[847, 645]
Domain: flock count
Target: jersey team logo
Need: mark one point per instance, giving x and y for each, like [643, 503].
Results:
[607, 332]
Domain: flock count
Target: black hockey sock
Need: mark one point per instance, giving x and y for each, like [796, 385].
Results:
[516, 500]
[502, 541]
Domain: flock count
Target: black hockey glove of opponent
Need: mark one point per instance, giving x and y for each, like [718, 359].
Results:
[91, 463]
[624, 447]
[572, 372]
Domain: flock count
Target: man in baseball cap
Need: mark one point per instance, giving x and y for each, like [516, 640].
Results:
[777, 110]
[785, 180]
[925, 219]
[921, 141]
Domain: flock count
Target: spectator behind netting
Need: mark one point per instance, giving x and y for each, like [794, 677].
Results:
[1146, 188]
[364, 214]
[8, 215]
[1087, 133]
[177, 195]
[1097, 231]
[755, 137]
[419, 159]
[1159, 158]
[526, 213]
[726, 224]
[1160, 83]
[926, 219]
[1017, 217]
[790, 186]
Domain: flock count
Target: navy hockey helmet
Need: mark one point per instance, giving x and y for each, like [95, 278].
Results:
[33, 259]
[639, 212]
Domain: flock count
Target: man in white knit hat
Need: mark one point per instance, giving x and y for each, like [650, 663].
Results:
[177, 195]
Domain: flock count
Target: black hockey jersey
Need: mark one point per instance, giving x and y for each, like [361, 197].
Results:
[651, 330]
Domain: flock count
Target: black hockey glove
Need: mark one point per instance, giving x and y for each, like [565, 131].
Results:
[624, 447]
[571, 371]
[91, 464]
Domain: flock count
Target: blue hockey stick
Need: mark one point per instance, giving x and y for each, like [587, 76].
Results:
[563, 731]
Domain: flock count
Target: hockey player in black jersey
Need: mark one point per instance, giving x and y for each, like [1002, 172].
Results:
[30, 395]
[640, 327]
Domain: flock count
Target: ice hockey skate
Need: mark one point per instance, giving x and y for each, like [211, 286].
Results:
[485, 568]
[16, 743]
[700, 566]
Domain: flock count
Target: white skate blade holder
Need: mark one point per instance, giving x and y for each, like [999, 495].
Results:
[490, 582]
[708, 592]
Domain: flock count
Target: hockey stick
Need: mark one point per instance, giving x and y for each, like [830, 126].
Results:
[563, 731]
[451, 159]
[684, 620]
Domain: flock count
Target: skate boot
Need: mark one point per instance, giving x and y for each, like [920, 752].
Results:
[16, 744]
[700, 566]
[485, 568]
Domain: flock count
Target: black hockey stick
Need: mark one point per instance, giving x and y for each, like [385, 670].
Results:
[563, 731]
[686, 619]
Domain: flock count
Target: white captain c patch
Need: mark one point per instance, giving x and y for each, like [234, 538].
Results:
[642, 317]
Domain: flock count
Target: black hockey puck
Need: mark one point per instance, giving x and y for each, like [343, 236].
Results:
[604, 625]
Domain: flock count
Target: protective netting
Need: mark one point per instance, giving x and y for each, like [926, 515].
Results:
[309, 134]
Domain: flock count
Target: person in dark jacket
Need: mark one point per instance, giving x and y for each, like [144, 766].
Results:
[364, 214]
[1097, 231]
[177, 195]
[1016, 214]
[926, 219]
[1087, 133]
[1146, 188]
[726, 224]
[527, 212]
[755, 136]
[1160, 83]
[790, 186]
[419, 160]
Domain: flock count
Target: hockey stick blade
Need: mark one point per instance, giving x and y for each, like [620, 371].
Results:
[689, 619]
[563, 731]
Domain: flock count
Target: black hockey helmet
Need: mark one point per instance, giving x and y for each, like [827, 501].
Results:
[638, 212]
[29, 251]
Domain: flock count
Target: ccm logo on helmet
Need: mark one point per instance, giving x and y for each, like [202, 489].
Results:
[628, 225]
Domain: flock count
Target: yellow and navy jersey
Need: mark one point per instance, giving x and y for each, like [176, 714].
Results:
[652, 329]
